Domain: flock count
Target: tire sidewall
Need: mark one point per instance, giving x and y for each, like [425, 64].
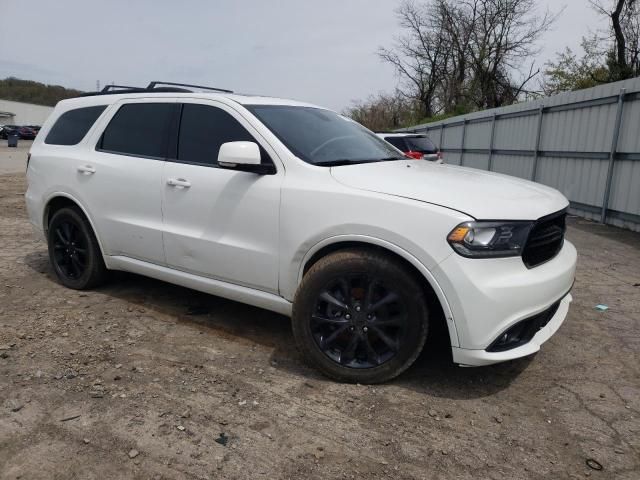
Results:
[392, 274]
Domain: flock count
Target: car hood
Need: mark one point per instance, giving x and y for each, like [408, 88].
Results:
[479, 194]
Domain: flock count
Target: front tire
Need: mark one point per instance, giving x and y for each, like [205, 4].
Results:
[74, 252]
[360, 317]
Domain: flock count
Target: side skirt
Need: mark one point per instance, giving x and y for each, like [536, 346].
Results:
[250, 296]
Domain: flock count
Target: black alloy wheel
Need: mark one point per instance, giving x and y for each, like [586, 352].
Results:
[359, 321]
[360, 316]
[69, 249]
[74, 251]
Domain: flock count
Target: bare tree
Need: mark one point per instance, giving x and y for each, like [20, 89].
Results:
[419, 55]
[623, 56]
[505, 35]
[466, 54]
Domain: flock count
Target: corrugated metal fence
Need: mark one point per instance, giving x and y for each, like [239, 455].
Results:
[584, 143]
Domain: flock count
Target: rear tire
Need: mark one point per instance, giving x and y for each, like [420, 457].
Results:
[74, 252]
[359, 316]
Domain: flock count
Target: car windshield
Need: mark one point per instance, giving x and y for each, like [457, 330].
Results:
[421, 144]
[322, 137]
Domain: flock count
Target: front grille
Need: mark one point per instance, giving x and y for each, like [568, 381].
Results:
[523, 331]
[545, 239]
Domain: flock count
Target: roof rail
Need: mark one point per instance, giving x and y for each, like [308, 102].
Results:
[152, 86]
[108, 88]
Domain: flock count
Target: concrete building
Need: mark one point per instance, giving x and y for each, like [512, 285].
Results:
[18, 113]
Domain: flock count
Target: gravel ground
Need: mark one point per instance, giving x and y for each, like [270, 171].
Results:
[14, 160]
[141, 379]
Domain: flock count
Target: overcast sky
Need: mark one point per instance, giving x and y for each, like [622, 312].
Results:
[320, 51]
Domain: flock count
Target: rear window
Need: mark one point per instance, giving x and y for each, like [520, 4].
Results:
[139, 129]
[72, 126]
[420, 144]
[397, 142]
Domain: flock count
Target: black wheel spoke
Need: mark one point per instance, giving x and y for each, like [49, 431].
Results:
[74, 268]
[326, 342]
[387, 299]
[61, 237]
[346, 289]
[66, 228]
[335, 321]
[392, 344]
[327, 297]
[349, 353]
[389, 322]
[77, 262]
[368, 296]
[372, 355]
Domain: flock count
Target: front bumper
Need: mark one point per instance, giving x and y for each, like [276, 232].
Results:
[488, 296]
[478, 358]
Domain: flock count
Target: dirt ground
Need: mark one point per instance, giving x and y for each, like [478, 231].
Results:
[141, 379]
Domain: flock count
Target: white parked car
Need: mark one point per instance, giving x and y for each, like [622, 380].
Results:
[291, 207]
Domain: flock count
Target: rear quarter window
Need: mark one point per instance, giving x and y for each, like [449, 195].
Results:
[72, 126]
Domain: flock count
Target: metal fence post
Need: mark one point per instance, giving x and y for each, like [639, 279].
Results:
[464, 131]
[612, 156]
[493, 130]
[536, 152]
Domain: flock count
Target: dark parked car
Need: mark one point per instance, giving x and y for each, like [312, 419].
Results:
[35, 128]
[7, 130]
[26, 133]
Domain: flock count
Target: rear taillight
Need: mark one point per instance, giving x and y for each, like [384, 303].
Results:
[412, 154]
[439, 155]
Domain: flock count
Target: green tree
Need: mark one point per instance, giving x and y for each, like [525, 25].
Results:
[572, 72]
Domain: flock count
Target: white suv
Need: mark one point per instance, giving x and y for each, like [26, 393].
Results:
[295, 209]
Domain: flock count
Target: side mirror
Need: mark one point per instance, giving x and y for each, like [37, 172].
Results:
[244, 157]
[232, 154]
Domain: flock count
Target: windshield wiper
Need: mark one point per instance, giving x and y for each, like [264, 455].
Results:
[337, 163]
[389, 159]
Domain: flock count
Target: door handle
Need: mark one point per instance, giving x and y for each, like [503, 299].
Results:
[86, 169]
[178, 182]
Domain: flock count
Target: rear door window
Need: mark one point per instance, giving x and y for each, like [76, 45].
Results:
[203, 129]
[139, 129]
[72, 126]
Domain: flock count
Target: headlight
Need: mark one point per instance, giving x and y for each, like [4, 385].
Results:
[489, 239]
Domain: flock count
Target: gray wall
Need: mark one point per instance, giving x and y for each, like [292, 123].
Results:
[584, 143]
[18, 113]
